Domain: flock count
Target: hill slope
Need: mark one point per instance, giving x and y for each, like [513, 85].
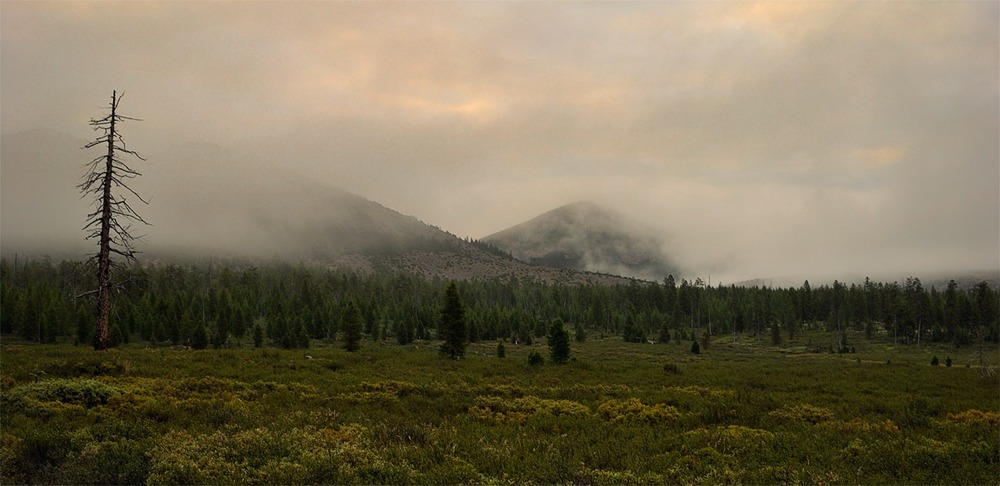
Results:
[208, 201]
[585, 236]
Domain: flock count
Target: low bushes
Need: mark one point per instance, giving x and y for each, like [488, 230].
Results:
[518, 410]
[394, 414]
[87, 393]
[634, 411]
[803, 413]
[267, 456]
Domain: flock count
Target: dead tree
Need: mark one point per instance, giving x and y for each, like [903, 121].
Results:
[110, 223]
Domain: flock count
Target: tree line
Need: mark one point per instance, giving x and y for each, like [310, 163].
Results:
[280, 304]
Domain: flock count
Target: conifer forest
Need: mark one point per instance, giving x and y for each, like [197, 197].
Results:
[223, 372]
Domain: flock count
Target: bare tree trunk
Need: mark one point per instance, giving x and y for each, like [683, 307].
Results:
[109, 223]
[104, 254]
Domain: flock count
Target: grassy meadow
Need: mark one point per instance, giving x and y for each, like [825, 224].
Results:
[742, 411]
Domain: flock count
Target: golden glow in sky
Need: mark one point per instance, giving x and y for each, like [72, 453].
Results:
[774, 137]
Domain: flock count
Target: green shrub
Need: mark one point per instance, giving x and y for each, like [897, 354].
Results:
[199, 337]
[258, 335]
[398, 388]
[518, 410]
[535, 359]
[350, 327]
[118, 461]
[634, 411]
[695, 348]
[975, 417]
[28, 457]
[916, 413]
[619, 415]
[558, 341]
[89, 367]
[703, 391]
[671, 368]
[934, 360]
[731, 439]
[803, 413]
[88, 393]
[267, 456]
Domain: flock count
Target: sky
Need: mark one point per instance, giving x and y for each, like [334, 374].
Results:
[761, 139]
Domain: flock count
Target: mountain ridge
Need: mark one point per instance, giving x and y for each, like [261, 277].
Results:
[209, 201]
[587, 236]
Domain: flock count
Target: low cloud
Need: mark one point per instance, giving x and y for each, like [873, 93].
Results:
[766, 138]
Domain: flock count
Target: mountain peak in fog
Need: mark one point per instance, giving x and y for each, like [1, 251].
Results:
[207, 201]
[587, 236]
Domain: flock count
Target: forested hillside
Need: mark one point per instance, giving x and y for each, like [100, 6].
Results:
[294, 304]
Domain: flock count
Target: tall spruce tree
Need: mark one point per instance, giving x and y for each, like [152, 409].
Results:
[558, 341]
[110, 223]
[452, 328]
[350, 327]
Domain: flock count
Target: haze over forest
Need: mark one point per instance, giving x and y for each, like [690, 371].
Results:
[792, 140]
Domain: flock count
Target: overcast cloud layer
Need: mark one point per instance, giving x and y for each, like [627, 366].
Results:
[788, 139]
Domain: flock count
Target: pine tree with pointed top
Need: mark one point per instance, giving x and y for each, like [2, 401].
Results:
[558, 341]
[452, 327]
[350, 327]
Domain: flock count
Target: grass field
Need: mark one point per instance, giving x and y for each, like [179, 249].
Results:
[739, 412]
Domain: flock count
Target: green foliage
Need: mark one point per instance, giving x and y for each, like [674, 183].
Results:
[749, 413]
[266, 456]
[558, 341]
[915, 413]
[671, 368]
[745, 413]
[116, 336]
[162, 302]
[87, 393]
[219, 339]
[934, 361]
[695, 348]
[507, 410]
[350, 327]
[501, 350]
[579, 332]
[404, 333]
[452, 327]
[664, 336]
[199, 337]
[535, 359]
[803, 413]
[632, 332]
[258, 335]
[634, 411]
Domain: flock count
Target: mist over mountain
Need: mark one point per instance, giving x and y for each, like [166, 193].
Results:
[208, 201]
[203, 198]
[586, 236]
[40, 207]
